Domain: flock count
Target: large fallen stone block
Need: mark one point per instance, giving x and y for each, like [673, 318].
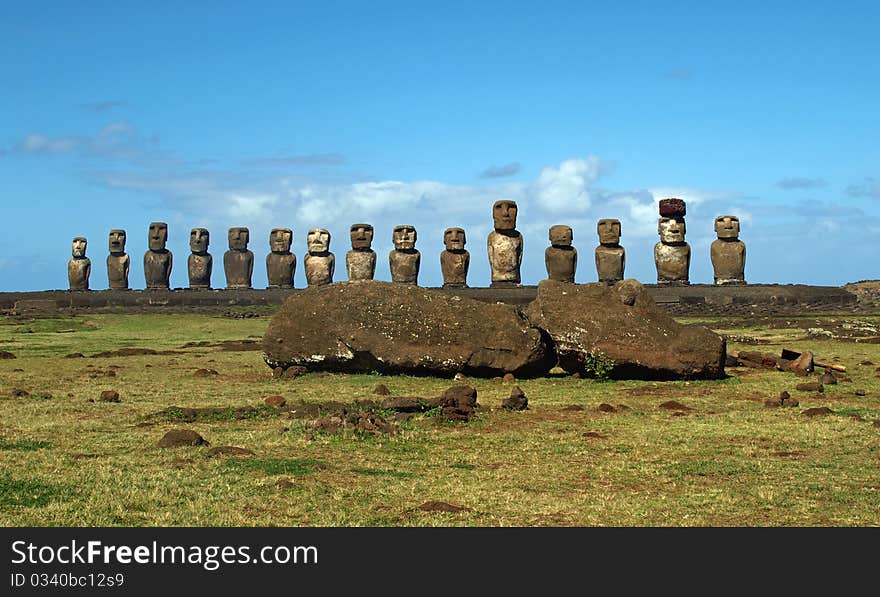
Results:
[399, 328]
[619, 331]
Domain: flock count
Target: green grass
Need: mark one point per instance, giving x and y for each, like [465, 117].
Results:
[730, 461]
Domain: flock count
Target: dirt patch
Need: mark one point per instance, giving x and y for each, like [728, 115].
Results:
[125, 352]
[437, 506]
[205, 372]
[571, 408]
[230, 451]
[818, 411]
[239, 345]
[594, 435]
[673, 405]
[227, 413]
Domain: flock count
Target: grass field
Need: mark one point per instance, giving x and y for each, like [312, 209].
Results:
[69, 459]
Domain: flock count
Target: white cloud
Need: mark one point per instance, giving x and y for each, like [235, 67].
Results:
[566, 188]
[36, 143]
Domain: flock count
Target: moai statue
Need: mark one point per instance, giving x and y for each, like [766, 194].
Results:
[455, 260]
[200, 262]
[560, 257]
[404, 259]
[118, 261]
[610, 256]
[672, 255]
[158, 260]
[280, 263]
[360, 262]
[728, 252]
[80, 266]
[238, 261]
[505, 245]
[319, 261]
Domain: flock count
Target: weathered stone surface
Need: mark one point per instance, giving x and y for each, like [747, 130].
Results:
[610, 256]
[505, 245]
[392, 328]
[319, 262]
[110, 396]
[591, 322]
[728, 253]
[405, 259]
[672, 255]
[672, 207]
[516, 401]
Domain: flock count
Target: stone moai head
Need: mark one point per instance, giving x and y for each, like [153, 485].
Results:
[117, 242]
[454, 239]
[609, 231]
[404, 237]
[561, 235]
[199, 238]
[239, 236]
[158, 236]
[727, 227]
[78, 247]
[280, 240]
[671, 230]
[361, 236]
[318, 240]
[504, 214]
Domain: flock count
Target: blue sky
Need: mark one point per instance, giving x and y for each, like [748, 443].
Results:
[306, 114]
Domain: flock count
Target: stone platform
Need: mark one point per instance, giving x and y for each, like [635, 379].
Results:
[697, 299]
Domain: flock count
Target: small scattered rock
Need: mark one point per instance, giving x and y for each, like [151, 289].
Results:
[5, 354]
[817, 411]
[75, 355]
[606, 408]
[230, 451]
[182, 437]
[594, 435]
[673, 405]
[508, 377]
[284, 484]
[459, 377]
[404, 404]
[295, 371]
[110, 396]
[860, 392]
[278, 372]
[205, 372]
[19, 393]
[812, 386]
[277, 401]
[828, 378]
[516, 401]
[866, 362]
[381, 390]
[434, 506]
[876, 423]
[576, 375]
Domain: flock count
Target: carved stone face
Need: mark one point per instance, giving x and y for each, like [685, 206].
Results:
[361, 236]
[671, 230]
[280, 240]
[561, 235]
[609, 231]
[158, 235]
[198, 240]
[454, 239]
[238, 238]
[504, 214]
[318, 240]
[117, 241]
[727, 227]
[404, 237]
[79, 247]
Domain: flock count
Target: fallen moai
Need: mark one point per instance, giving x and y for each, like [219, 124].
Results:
[391, 328]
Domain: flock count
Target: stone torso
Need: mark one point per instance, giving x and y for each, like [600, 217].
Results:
[319, 268]
[360, 265]
[117, 271]
[199, 268]
[157, 269]
[404, 266]
[280, 268]
[78, 270]
[239, 268]
[728, 261]
[561, 263]
[454, 265]
[610, 263]
[505, 256]
[673, 263]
